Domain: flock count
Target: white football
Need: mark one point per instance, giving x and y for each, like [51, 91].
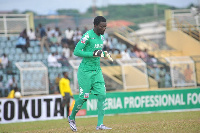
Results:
[17, 94]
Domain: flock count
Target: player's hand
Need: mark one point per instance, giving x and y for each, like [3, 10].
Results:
[98, 53]
[108, 55]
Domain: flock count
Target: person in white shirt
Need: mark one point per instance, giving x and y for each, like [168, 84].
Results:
[57, 30]
[49, 32]
[31, 35]
[66, 51]
[52, 61]
[69, 36]
[125, 55]
[4, 61]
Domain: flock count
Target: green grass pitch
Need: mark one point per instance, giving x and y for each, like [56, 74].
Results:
[177, 122]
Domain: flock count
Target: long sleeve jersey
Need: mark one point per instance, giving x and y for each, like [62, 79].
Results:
[89, 42]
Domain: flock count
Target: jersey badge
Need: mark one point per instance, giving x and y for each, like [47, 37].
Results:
[85, 38]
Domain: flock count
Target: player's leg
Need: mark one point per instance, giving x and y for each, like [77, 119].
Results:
[101, 108]
[99, 90]
[84, 80]
[67, 97]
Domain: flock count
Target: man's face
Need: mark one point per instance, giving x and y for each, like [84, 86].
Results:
[101, 27]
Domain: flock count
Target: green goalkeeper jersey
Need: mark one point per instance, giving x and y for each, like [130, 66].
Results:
[89, 42]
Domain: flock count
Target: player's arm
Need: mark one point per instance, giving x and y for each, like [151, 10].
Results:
[78, 51]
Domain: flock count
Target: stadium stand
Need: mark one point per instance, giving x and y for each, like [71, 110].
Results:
[120, 40]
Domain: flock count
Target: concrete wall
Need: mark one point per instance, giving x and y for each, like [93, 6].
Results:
[181, 41]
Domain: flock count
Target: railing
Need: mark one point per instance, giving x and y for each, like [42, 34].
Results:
[186, 27]
[133, 37]
[189, 29]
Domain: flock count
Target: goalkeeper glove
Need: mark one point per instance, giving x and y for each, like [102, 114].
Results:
[100, 53]
[108, 55]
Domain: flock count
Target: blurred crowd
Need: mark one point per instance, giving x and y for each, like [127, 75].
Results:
[54, 37]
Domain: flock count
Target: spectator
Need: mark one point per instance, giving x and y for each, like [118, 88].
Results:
[137, 52]
[177, 75]
[59, 38]
[66, 51]
[1, 82]
[52, 61]
[132, 53]
[146, 56]
[57, 30]
[1, 86]
[106, 45]
[44, 40]
[12, 93]
[21, 43]
[154, 61]
[77, 36]
[118, 55]
[24, 34]
[85, 30]
[77, 31]
[65, 91]
[37, 34]
[4, 61]
[188, 74]
[58, 56]
[12, 84]
[125, 55]
[31, 35]
[49, 32]
[69, 36]
[63, 60]
[57, 80]
[162, 78]
[53, 40]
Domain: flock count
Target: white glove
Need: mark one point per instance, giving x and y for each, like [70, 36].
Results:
[108, 55]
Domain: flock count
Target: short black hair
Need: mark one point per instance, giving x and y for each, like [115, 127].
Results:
[99, 19]
[64, 73]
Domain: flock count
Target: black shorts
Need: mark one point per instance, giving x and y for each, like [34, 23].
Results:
[67, 98]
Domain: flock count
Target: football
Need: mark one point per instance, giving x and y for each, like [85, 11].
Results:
[17, 94]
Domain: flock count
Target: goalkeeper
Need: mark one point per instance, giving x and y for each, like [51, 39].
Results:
[90, 77]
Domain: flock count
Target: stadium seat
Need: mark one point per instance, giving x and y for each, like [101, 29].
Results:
[18, 51]
[40, 56]
[28, 57]
[30, 50]
[45, 55]
[115, 41]
[7, 50]
[123, 46]
[59, 50]
[53, 49]
[1, 72]
[33, 43]
[34, 57]
[36, 50]
[10, 57]
[22, 57]
[2, 44]
[12, 50]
